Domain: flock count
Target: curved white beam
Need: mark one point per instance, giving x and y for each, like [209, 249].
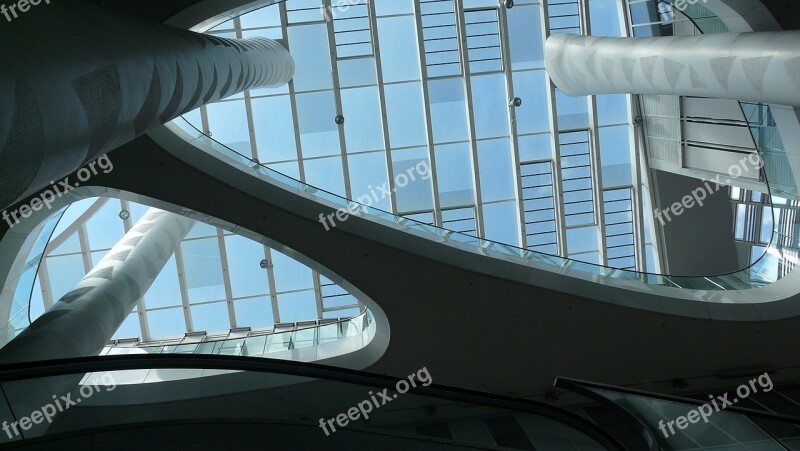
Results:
[756, 67]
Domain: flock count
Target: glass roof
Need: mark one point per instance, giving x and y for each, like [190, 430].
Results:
[458, 87]
[215, 281]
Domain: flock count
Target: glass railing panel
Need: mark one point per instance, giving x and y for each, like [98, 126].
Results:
[304, 338]
[786, 433]
[354, 328]
[731, 282]
[375, 213]
[545, 258]
[414, 225]
[722, 430]
[230, 347]
[511, 250]
[254, 346]
[767, 268]
[328, 333]
[207, 347]
[279, 342]
[188, 348]
[695, 283]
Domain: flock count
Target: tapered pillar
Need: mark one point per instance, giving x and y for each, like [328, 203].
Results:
[86, 318]
[78, 80]
[756, 67]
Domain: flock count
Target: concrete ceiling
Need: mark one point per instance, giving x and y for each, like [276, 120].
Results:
[156, 10]
[786, 12]
[470, 329]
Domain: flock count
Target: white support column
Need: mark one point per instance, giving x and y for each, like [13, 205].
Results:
[757, 67]
[83, 320]
[74, 96]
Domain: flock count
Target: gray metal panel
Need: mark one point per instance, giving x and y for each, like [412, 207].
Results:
[718, 134]
[719, 161]
[715, 109]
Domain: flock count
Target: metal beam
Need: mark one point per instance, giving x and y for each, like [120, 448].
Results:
[473, 143]
[337, 99]
[426, 101]
[512, 122]
[558, 190]
[376, 50]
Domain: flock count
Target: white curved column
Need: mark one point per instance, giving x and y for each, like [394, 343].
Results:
[81, 79]
[756, 67]
[83, 320]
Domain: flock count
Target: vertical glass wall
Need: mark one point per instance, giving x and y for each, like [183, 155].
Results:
[215, 281]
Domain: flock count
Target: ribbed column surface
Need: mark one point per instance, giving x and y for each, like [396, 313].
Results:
[79, 80]
[756, 67]
[86, 318]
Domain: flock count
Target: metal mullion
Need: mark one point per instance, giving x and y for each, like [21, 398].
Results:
[640, 136]
[204, 120]
[187, 315]
[502, 25]
[317, 293]
[127, 223]
[373, 24]
[437, 207]
[237, 25]
[597, 176]
[66, 233]
[45, 286]
[584, 17]
[464, 52]
[144, 324]
[637, 202]
[226, 277]
[86, 252]
[555, 165]
[337, 98]
[273, 293]
[292, 97]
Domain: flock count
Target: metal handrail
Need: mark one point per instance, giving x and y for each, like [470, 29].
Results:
[217, 338]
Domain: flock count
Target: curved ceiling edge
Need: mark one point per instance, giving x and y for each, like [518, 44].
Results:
[777, 300]
[360, 359]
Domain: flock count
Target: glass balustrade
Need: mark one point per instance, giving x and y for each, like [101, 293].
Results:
[780, 255]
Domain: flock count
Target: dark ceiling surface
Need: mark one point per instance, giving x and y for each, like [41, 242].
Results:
[156, 10]
[786, 12]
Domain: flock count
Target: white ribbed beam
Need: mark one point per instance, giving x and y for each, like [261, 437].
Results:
[83, 79]
[756, 67]
[83, 320]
